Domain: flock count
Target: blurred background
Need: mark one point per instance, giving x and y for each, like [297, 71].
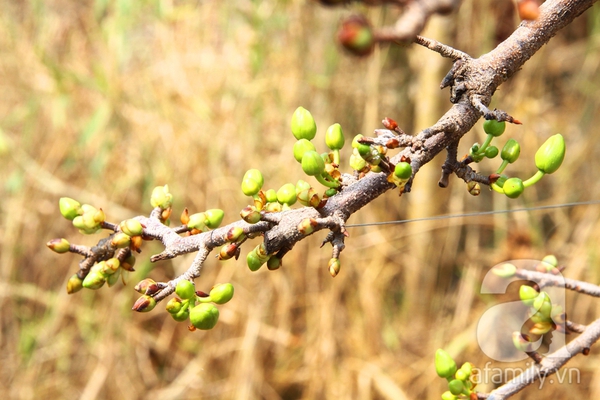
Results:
[103, 100]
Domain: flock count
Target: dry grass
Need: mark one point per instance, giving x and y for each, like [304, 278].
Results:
[103, 100]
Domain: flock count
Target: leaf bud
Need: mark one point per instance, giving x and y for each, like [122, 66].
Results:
[551, 154]
[59, 245]
[144, 304]
[145, 284]
[228, 251]
[69, 208]
[110, 266]
[334, 266]
[74, 284]
[94, 280]
[221, 293]
[204, 316]
[303, 124]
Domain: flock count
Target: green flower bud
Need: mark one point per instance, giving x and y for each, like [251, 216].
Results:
[303, 124]
[505, 270]
[221, 293]
[144, 304]
[161, 197]
[461, 375]
[301, 147]
[312, 163]
[228, 251]
[356, 35]
[550, 260]
[456, 387]
[131, 227]
[491, 152]
[271, 196]
[355, 141]
[287, 194]
[539, 317]
[185, 289]
[59, 245]
[250, 187]
[255, 175]
[204, 316]
[182, 315]
[511, 151]
[551, 154]
[120, 240]
[174, 305]
[198, 221]
[467, 369]
[444, 364]
[513, 187]
[94, 280]
[74, 284]
[214, 217]
[527, 294]
[255, 260]
[334, 137]
[493, 127]
[364, 150]
[274, 263]
[69, 208]
[330, 192]
[403, 170]
[250, 215]
[543, 304]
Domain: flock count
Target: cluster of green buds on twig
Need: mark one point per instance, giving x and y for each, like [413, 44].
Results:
[197, 306]
[544, 316]
[548, 159]
[461, 381]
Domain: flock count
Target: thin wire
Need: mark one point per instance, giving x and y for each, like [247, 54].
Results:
[476, 214]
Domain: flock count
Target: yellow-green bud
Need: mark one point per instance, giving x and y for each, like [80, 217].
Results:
[161, 197]
[74, 284]
[120, 240]
[94, 280]
[59, 245]
[551, 154]
[334, 137]
[198, 221]
[221, 293]
[303, 124]
[131, 227]
[69, 208]
[185, 289]
[445, 366]
[204, 316]
[214, 217]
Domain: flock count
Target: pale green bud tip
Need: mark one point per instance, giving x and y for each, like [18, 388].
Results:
[74, 284]
[69, 208]
[505, 270]
[303, 124]
[334, 137]
[252, 182]
[204, 316]
[185, 289]
[312, 163]
[221, 293]
[445, 366]
[551, 154]
[214, 217]
[144, 304]
[59, 245]
[161, 197]
[131, 227]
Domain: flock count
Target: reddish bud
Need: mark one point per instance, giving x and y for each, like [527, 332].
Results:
[389, 123]
[529, 10]
[357, 36]
[144, 304]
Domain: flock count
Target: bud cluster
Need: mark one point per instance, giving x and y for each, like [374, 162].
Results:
[461, 381]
